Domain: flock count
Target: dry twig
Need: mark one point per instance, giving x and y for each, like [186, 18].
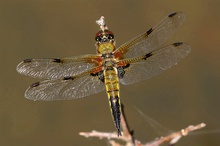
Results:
[128, 138]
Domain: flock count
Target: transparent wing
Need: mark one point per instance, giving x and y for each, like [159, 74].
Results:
[157, 62]
[151, 39]
[65, 89]
[57, 68]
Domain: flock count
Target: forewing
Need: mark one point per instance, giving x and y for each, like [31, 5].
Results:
[152, 39]
[65, 89]
[156, 62]
[56, 68]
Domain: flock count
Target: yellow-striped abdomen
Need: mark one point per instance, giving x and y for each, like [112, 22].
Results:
[112, 89]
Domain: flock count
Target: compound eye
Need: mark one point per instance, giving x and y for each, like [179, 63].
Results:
[109, 34]
[98, 36]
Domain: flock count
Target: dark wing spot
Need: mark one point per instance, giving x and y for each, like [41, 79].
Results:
[28, 60]
[173, 14]
[57, 60]
[35, 84]
[147, 55]
[149, 31]
[93, 74]
[126, 66]
[177, 44]
[68, 78]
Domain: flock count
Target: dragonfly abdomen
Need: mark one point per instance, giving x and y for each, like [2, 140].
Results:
[112, 89]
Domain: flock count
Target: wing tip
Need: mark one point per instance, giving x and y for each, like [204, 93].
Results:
[177, 15]
[28, 96]
[20, 66]
[184, 45]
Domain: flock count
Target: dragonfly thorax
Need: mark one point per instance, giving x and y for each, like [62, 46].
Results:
[108, 63]
[105, 48]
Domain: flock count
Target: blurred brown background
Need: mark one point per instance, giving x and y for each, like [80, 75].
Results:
[186, 94]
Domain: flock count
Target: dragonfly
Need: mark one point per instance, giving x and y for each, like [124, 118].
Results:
[136, 60]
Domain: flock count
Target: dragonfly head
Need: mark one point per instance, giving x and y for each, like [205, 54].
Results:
[104, 38]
